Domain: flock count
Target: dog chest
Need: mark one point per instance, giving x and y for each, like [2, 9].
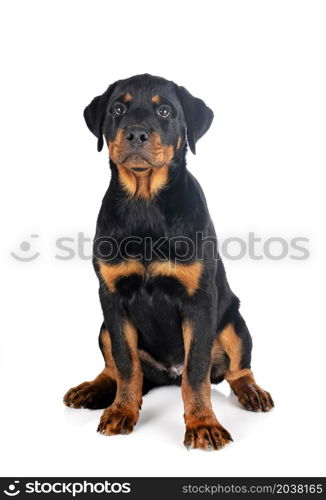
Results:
[128, 276]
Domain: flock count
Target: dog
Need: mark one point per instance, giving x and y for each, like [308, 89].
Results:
[170, 316]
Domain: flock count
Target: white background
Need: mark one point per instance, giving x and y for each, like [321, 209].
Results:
[260, 65]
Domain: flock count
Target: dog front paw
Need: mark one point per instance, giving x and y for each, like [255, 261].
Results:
[205, 433]
[118, 419]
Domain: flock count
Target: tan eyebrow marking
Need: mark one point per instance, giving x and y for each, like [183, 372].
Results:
[156, 99]
[127, 97]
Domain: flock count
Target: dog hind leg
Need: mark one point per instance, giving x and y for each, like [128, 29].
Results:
[235, 341]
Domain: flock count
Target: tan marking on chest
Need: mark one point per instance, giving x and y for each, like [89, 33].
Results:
[111, 273]
[188, 274]
[143, 184]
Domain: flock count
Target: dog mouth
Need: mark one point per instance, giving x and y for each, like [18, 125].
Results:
[139, 169]
[137, 162]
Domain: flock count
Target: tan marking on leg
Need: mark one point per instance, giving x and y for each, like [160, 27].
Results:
[110, 369]
[111, 273]
[107, 354]
[217, 352]
[194, 403]
[122, 415]
[108, 374]
[188, 274]
[132, 390]
[229, 342]
[202, 427]
[246, 372]
[187, 337]
[241, 381]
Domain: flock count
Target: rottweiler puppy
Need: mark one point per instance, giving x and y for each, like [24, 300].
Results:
[170, 316]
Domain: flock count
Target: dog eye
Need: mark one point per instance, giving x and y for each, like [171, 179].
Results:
[164, 111]
[118, 108]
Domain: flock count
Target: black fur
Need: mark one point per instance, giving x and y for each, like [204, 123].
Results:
[170, 316]
[158, 306]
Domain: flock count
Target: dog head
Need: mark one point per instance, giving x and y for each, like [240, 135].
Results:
[146, 121]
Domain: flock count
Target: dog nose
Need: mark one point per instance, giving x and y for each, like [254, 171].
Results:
[137, 135]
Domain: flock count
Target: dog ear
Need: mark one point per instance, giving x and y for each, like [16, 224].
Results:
[198, 116]
[94, 115]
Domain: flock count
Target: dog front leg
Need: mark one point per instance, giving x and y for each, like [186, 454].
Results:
[122, 415]
[202, 427]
